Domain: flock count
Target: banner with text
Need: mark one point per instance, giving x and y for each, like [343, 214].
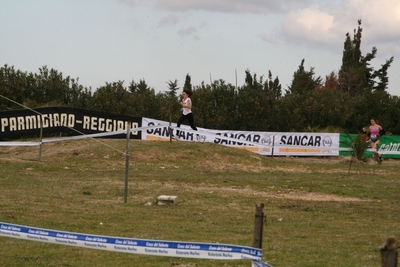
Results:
[389, 146]
[258, 142]
[264, 143]
[132, 245]
[306, 144]
[71, 121]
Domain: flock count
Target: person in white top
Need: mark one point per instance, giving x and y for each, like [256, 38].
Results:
[186, 109]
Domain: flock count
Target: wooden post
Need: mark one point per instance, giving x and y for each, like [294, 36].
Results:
[389, 252]
[258, 225]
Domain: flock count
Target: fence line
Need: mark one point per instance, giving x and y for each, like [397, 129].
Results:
[201, 133]
[194, 250]
[106, 134]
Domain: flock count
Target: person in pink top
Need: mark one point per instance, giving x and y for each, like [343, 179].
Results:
[373, 132]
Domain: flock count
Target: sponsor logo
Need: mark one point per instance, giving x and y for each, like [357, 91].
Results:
[327, 141]
[306, 140]
[266, 140]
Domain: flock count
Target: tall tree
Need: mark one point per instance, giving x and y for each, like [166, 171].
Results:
[273, 87]
[12, 86]
[144, 102]
[139, 87]
[204, 107]
[356, 74]
[251, 82]
[170, 104]
[173, 88]
[188, 83]
[215, 105]
[113, 98]
[271, 103]
[382, 76]
[304, 81]
[251, 109]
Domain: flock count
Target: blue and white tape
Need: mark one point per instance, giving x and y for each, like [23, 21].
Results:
[131, 245]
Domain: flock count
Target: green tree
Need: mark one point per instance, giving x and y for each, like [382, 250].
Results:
[144, 102]
[12, 86]
[392, 118]
[356, 74]
[204, 109]
[170, 106]
[382, 76]
[272, 94]
[173, 88]
[304, 81]
[215, 105]
[251, 109]
[272, 87]
[113, 98]
[296, 111]
[188, 83]
[79, 96]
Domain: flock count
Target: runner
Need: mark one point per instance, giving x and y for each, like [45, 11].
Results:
[373, 132]
[187, 114]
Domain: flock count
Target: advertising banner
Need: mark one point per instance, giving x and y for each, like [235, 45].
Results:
[389, 146]
[306, 144]
[258, 142]
[71, 121]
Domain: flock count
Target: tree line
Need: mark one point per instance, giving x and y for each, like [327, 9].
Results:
[339, 102]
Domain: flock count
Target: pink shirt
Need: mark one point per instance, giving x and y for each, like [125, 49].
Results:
[374, 130]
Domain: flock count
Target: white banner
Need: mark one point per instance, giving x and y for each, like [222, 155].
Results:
[258, 142]
[264, 143]
[306, 144]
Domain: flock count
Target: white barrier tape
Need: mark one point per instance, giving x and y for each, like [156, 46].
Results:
[258, 263]
[130, 245]
[102, 134]
[49, 140]
[19, 143]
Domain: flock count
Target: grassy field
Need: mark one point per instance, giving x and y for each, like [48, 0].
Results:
[319, 211]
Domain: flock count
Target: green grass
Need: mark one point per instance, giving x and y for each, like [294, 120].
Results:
[317, 212]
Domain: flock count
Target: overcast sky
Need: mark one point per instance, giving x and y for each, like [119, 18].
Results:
[102, 41]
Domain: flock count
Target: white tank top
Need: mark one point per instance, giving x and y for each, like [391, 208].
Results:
[186, 111]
